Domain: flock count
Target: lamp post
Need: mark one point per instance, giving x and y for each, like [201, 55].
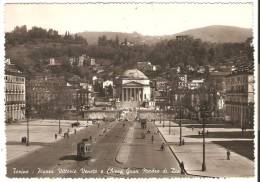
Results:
[163, 109]
[27, 126]
[204, 114]
[26, 114]
[169, 123]
[205, 110]
[180, 125]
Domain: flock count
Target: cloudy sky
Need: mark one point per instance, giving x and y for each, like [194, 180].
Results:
[147, 19]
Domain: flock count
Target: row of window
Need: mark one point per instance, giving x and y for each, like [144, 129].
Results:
[15, 107]
[10, 87]
[237, 113]
[14, 97]
[12, 78]
[243, 98]
[238, 88]
[241, 79]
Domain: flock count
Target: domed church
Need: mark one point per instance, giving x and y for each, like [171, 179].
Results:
[135, 87]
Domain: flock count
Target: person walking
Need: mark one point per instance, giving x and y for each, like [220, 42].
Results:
[162, 147]
[152, 138]
[228, 155]
[182, 168]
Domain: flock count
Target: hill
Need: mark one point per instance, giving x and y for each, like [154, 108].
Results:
[219, 34]
[215, 33]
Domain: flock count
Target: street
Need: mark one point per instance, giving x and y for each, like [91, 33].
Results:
[59, 159]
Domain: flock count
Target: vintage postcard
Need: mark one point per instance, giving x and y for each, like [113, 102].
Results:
[129, 90]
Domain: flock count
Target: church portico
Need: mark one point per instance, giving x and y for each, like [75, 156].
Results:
[132, 94]
[135, 88]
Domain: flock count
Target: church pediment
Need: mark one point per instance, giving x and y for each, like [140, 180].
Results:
[133, 83]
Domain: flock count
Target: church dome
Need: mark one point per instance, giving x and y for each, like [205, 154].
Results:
[134, 74]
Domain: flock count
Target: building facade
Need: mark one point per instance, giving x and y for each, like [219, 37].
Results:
[14, 94]
[43, 93]
[134, 88]
[240, 98]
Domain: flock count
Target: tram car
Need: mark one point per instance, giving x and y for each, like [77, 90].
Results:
[84, 149]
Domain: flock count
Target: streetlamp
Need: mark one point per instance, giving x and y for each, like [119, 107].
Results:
[180, 125]
[169, 116]
[163, 109]
[26, 114]
[204, 114]
[205, 109]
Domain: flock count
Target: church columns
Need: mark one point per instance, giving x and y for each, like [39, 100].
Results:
[135, 89]
[126, 94]
[139, 94]
[132, 94]
[123, 94]
[142, 94]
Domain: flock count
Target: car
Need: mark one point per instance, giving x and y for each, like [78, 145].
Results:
[75, 124]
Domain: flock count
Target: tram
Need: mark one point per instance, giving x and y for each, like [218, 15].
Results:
[84, 149]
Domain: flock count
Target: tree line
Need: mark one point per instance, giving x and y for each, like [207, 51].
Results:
[21, 35]
[171, 53]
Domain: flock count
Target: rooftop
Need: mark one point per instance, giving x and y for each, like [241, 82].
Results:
[134, 74]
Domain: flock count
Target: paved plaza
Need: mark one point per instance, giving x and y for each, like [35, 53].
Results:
[42, 133]
[219, 140]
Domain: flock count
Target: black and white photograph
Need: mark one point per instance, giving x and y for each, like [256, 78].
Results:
[129, 90]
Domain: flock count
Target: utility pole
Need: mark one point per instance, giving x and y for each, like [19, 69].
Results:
[27, 120]
[59, 127]
[26, 114]
[180, 124]
[163, 109]
[169, 125]
[203, 145]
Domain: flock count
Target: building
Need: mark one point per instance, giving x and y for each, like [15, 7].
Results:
[14, 93]
[134, 88]
[195, 84]
[201, 69]
[145, 66]
[72, 60]
[240, 96]
[82, 59]
[54, 62]
[161, 84]
[107, 83]
[217, 79]
[183, 80]
[44, 93]
[92, 62]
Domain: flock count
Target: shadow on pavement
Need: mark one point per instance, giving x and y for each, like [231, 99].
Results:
[231, 134]
[73, 157]
[244, 148]
[30, 143]
[199, 125]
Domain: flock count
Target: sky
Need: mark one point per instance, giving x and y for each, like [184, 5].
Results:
[147, 19]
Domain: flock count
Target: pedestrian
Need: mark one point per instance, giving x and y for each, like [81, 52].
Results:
[162, 147]
[55, 136]
[183, 141]
[75, 131]
[228, 155]
[182, 168]
[152, 138]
